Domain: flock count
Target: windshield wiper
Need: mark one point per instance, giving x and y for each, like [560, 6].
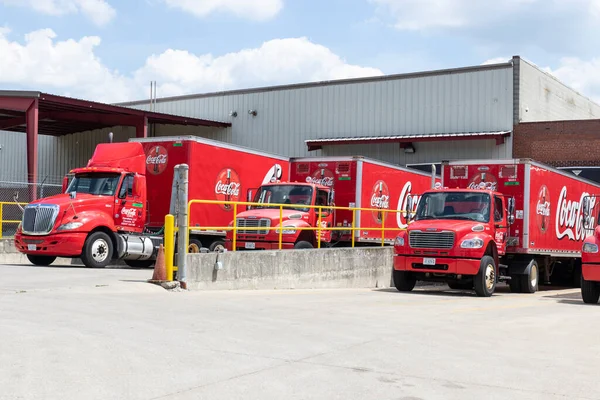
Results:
[424, 217]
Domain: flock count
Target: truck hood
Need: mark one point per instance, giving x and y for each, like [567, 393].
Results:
[273, 214]
[459, 226]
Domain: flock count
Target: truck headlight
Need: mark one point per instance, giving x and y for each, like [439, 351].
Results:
[399, 241]
[590, 248]
[70, 226]
[472, 244]
[287, 230]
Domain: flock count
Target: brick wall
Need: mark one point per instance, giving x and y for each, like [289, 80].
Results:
[560, 143]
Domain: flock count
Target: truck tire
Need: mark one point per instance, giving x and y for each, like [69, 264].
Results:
[97, 250]
[404, 281]
[485, 280]
[217, 246]
[194, 246]
[530, 281]
[590, 291]
[42, 261]
[303, 245]
[139, 263]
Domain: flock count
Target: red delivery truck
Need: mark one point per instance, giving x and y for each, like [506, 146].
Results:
[499, 220]
[115, 207]
[331, 181]
[590, 257]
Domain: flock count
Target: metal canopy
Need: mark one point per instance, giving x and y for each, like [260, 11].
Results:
[407, 140]
[37, 113]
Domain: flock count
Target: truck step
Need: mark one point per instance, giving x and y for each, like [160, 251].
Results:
[504, 278]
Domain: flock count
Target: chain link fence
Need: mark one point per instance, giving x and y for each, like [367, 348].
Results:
[14, 196]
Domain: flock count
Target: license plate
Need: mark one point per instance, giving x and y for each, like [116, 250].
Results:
[31, 247]
[250, 245]
[429, 261]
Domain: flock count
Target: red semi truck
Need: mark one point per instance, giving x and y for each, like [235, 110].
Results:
[507, 220]
[590, 257]
[330, 181]
[115, 207]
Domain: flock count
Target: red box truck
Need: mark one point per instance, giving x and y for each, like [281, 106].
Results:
[115, 207]
[500, 220]
[331, 181]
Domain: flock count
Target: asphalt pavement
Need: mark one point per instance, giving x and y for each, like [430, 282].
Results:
[77, 333]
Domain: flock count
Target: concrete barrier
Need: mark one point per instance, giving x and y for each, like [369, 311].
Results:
[292, 269]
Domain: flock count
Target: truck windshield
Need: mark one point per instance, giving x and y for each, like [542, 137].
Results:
[284, 194]
[100, 184]
[455, 205]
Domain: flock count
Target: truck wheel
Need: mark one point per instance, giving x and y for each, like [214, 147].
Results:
[42, 261]
[590, 291]
[139, 263]
[194, 246]
[303, 245]
[404, 281]
[460, 285]
[97, 250]
[530, 281]
[217, 246]
[485, 280]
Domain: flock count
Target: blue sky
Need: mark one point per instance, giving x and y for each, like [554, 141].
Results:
[109, 50]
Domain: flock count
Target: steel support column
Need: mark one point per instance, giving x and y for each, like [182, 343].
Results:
[32, 146]
[141, 128]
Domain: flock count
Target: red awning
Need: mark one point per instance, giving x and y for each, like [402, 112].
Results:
[406, 140]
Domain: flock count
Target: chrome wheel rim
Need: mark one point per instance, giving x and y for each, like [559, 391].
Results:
[100, 250]
[219, 248]
[193, 248]
[490, 276]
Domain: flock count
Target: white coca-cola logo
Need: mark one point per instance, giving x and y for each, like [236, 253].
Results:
[157, 159]
[128, 212]
[324, 181]
[273, 175]
[569, 217]
[403, 205]
[483, 186]
[227, 189]
[382, 201]
[543, 208]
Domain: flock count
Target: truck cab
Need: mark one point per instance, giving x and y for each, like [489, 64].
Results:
[590, 254]
[297, 214]
[456, 236]
[100, 215]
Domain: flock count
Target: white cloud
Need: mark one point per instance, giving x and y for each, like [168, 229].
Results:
[71, 67]
[250, 9]
[581, 75]
[417, 15]
[496, 60]
[99, 11]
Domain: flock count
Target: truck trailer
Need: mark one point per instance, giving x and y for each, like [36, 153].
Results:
[115, 207]
[331, 181]
[516, 221]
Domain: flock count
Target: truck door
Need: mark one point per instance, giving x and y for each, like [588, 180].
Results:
[128, 213]
[326, 214]
[500, 224]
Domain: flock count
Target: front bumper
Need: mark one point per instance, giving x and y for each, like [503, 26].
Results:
[443, 265]
[591, 272]
[59, 245]
[255, 245]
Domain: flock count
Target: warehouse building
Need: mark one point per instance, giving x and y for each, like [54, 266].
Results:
[416, 118]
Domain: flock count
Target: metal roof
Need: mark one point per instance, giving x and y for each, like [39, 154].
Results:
[59, 115]
[317, 144]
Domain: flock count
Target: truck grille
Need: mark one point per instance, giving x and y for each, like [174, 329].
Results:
[39, 219]
[253, 223]
[431, 240]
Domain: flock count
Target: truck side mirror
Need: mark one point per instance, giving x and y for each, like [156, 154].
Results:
[409, 207]
[249, 197]
[65, 183]
[588, 220]
[331, 197]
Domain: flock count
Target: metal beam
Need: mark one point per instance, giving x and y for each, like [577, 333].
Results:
[141, 129]
[12, 123]
[32, 146]
[16, 103]
[100, 118]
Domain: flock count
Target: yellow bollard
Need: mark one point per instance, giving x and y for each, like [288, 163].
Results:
[169, 236]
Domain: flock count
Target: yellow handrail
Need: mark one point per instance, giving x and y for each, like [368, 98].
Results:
[8, 221]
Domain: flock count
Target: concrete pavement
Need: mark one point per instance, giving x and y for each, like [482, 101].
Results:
[75, 333]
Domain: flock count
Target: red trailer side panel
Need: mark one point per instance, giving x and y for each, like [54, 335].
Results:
[387, 187]
[218, 171]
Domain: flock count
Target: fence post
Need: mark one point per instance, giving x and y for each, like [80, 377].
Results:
[182, 217]
[280, 226]
[169, 245]
[383, 228]
[1, 220]
[319, 229]
[353, 232]
[234, 244]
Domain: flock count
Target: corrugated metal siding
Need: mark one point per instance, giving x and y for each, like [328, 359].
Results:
[472, 101]
[544, 98]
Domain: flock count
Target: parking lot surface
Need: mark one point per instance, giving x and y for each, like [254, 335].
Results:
[76, 333]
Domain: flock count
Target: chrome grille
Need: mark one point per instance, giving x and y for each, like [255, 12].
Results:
[431, 240]
[253, 223]
[39, 219]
